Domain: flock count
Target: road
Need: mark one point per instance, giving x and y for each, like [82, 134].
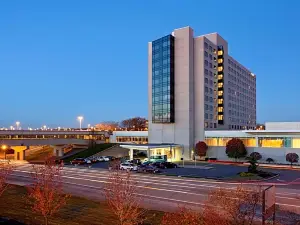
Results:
[158, 191]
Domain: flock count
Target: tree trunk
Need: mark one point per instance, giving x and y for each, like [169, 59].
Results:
[46, 220]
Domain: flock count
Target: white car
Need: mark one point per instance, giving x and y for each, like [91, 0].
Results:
[106, 159]
[128, 166]
[100, 159]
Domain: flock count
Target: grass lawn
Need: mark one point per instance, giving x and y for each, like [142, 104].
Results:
[90, 151]
[14, 205]
[239, 178]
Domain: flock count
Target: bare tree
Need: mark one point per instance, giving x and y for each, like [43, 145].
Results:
[183, 215]
[237, 207]
[136, 123]
[120, 193]
[46, 194]
[5, 171]
[107, 126]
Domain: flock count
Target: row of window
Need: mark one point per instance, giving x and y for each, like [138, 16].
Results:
[208, 98]
[210, 125]
[208, 81]
[239, 79]
[242, 90]
[208, 116]
[137, 140]
[210, 65]
[208, 72]
[236, 99]
[242, 121]
[208, 90]
[240, 69]
[209, 107]
[211, 49]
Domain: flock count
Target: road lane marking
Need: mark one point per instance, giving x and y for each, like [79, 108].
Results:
[145, 187]
[156, 197]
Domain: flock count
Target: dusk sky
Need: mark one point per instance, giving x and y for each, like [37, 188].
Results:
[63, 58]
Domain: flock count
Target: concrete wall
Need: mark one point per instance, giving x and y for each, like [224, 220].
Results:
[282, 125]
[182, 131]
[278, 154]
[199, 89]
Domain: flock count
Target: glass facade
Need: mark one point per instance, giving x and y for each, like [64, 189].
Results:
[163, 80]
[275, 142]
[132, 139]
[222, 141]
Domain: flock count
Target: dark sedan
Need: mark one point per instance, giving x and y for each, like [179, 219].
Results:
[164, 165]
[145, 168]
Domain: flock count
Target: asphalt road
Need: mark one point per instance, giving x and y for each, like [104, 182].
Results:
[159, 192]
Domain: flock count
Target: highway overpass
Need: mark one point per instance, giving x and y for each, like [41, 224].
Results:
[21, 140]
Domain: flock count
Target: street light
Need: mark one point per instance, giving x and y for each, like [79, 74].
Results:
[4, 147]
[44, 127]
[80, 118]
[18, 124]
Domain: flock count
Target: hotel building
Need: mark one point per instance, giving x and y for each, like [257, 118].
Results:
[193, 84]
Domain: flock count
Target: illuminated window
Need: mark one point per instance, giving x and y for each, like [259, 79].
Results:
[220, 117]
[220, 101]
[211, 141]
[220, 60]
[220, 77]
[220, 52]
[220, 109]
[220, 85]
[220, 68]
[296, 143]
[220, 93]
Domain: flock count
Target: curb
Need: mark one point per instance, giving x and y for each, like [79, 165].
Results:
[252, 181]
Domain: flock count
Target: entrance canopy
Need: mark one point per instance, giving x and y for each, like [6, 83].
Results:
[173, 151]
[149, 146]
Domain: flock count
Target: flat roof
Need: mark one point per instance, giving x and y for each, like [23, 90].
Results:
[149, 146]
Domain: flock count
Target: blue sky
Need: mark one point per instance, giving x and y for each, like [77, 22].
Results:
[60, 59]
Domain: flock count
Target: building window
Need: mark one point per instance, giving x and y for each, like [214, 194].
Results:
[205, 53]
[163, 80]
[206, 63]
[206, 80]
[206, 116]
[205, 45]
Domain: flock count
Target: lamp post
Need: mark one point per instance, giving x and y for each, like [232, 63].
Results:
[18, 124]
[80, 118]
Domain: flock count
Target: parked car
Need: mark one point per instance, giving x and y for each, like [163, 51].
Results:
[78, 161]
[100, 159]
[111, 157]
[128, 166]
[94, 160]
[106, 158]
[147, 168]
[168, 165]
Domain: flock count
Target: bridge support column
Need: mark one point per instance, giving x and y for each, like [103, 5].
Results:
[19, 152]
[131, 154]
[58, 151]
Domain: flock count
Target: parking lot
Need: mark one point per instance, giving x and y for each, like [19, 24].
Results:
[217, 171]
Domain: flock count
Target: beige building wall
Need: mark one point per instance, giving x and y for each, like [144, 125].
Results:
[182, 131]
